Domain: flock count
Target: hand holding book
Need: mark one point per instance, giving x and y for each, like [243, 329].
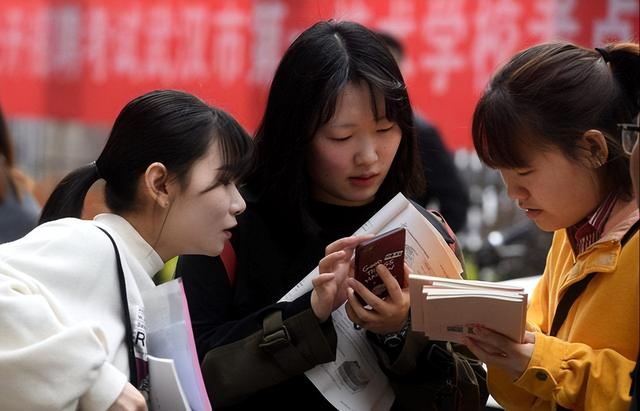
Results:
[497, 350]
[380, 316]
[447, 309]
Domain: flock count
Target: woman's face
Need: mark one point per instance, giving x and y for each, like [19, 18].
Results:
[203, 212]
[351, 154]
[555, 191]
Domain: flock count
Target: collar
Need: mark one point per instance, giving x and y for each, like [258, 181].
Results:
[589, 230]
[135, 245]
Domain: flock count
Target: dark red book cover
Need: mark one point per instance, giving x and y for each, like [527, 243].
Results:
[386, 248]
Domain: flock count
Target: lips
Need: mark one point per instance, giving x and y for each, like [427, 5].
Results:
[532, 213]
[364, 180]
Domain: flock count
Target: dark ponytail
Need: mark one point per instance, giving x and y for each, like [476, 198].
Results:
[67, 198]
[624, 60]
[167, 126]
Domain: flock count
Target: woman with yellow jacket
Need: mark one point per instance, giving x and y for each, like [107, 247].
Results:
[551, 121]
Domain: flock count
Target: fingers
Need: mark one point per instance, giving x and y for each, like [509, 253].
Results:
[346, 243]
[393, 288]
[322, 278]
[364, 293]
[497, 350]
[328, 262]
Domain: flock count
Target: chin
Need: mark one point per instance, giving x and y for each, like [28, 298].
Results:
[549, 228]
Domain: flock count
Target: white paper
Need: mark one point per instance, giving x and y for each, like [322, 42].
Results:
[169, 336]
[354, 381]
[166, 393]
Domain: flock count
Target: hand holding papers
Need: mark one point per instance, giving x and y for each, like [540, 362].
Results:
[425, 251]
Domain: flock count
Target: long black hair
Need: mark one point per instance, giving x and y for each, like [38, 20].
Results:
[167, 126]
[549, 95]
[311, 75]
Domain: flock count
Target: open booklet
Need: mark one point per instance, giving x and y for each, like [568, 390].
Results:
[354, 380]
[174, 370]
[445, 309]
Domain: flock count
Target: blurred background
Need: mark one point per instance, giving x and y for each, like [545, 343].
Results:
[68, 66]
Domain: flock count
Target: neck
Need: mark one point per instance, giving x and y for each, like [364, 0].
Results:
[149, 225]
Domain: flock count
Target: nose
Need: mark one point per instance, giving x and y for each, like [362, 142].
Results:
[367, 151]
[515, 190]
[238, 204]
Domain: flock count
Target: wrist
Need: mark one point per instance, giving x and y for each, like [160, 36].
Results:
[396, 338]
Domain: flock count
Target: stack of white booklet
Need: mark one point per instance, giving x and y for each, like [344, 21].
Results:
[447, 309]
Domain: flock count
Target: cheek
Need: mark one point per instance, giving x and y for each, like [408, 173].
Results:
[389, 146]
[327, 161]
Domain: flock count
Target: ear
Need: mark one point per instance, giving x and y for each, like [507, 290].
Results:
[156, 179]
[595, 149]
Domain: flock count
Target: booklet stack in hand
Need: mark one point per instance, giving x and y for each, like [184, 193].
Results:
[446, 309]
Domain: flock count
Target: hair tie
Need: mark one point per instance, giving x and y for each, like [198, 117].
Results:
[95, 168]
[605, 54]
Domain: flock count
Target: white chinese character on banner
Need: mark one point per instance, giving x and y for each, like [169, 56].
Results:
[554, 19]
[401, 19]
[192, 42]
[11, 39]
[541, 25]
[97, 40]
[229, 43]
[401, 23]
[37, 44]
[444, 30]
[354, 10]
[66, 53]
[496, 37]
[126, 37]
[567, 26]
[613, 27]
[158, 33]
[267, 46]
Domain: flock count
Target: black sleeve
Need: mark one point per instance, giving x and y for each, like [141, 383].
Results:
[241, 354]
[209, 293]
[444, 182]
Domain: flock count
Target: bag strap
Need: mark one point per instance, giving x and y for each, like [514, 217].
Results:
[576, 289]
[567, 301]
[128, 332]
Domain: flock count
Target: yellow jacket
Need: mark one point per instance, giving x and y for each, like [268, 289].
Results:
[587, 366]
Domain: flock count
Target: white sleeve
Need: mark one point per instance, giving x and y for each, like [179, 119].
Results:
[47, 362]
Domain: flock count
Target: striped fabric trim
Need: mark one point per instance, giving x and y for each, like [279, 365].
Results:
[589, 230]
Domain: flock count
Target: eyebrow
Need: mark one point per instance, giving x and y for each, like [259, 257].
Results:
[351, 125]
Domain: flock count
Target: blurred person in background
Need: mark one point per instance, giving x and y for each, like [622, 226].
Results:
[550, 121]
[19, 210]
[444, 182]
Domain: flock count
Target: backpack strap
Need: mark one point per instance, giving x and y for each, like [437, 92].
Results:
[229, 260]
[128, 332]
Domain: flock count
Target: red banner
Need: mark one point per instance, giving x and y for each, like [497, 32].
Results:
[84, 60]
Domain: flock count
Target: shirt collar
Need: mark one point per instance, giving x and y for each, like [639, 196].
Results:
[589, 230]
